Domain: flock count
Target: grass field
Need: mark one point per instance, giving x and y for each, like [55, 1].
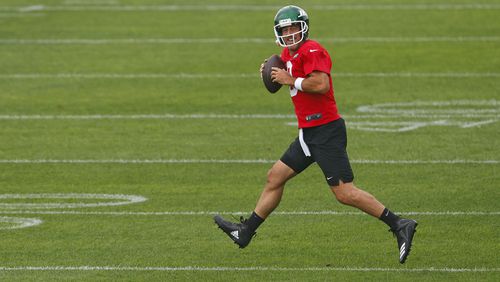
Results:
[125, 125]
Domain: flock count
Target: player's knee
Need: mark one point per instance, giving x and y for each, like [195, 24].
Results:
[343, 197]
[346, 194]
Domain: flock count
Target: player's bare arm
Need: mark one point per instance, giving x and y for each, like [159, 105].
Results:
[315, 82]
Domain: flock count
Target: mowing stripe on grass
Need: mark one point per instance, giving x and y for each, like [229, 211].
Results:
[248, 8]
[276, 213]
[254, 40]
[238, 269]
[236, 75]
[227, 161]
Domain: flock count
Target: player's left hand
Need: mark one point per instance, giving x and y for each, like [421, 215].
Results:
[262, 68]
[281, 76]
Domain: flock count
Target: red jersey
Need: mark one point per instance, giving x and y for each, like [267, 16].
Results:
[312, 109]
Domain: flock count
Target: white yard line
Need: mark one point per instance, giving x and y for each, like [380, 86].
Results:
[91, 2]
[417, 74]
[248, 8]
[111, 41]
[240, 116]
[210, 213]
[147, 116]
[397, 117]
[19, 15]
[232, 161]
[244, 268]
[127, 76]
[235, 75]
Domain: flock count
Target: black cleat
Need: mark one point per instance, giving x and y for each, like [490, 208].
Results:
[404, 232]
[238, 232]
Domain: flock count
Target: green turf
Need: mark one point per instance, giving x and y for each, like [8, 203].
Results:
[338, 247]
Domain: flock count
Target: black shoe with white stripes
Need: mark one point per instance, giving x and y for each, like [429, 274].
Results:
[404, 232]
[238, 232]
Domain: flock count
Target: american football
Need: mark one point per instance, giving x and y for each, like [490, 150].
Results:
[273, 61]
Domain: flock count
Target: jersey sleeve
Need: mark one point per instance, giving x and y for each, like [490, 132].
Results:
[317, 60]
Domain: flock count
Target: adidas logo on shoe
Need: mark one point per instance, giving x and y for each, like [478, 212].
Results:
[235, 234]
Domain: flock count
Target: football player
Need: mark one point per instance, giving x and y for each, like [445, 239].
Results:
[322, 136]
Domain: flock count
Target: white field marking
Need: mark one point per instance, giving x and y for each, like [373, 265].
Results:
[254, 40]
[458, 107]
[445, 113]
[227, 161]
[456, 110]
[27, 8]
[127, 76]
[246, 8]
[137, 41]
[228, 116]
[387, 126]
[426, 116]
[17, 15]
[479, 123]
[138, 161]
[403, 126]
[91, 2]
[237, 75]
[122, 200]
[420, 74]
[417, 39]
[408, 126]
[244, 268]
[151, 116]
[17, 222]
[276, 213]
